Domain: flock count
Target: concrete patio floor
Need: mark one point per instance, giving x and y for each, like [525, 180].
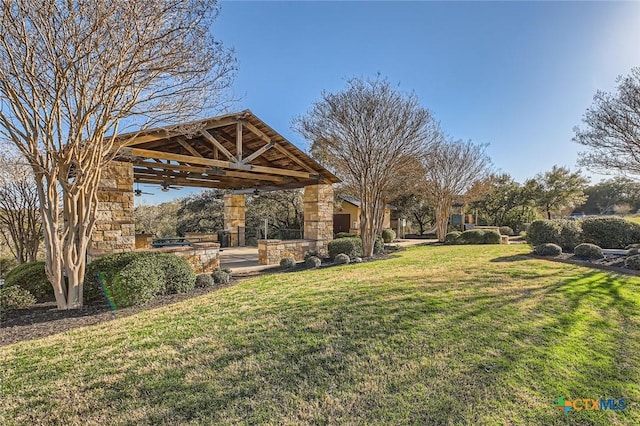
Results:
[244, 260]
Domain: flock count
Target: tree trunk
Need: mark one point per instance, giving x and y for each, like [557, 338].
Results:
[443, 211]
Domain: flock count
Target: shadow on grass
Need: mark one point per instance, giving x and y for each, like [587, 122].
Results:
[514, 258]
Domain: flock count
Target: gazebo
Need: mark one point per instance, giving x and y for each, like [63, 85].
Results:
[237, 152]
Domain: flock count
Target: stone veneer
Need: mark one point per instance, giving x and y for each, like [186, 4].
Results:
[318, 215]
[114, 230]
[234, 218]
[270, 252]
[203, 257]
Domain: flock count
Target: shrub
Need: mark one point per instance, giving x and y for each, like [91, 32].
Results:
[491, 237]
[506, 230]
[570, 233]
[6, 265]
[610, 232]
[472, 236]
[588, 251]
[117, 272]
[352, 247]
[311, 253]
[15, 297]
[179, 275]
[32, 277]
[633, 251]
[221, 277]
[204, 280]
[378, 245]
[356, 260]
[632, 246]
[137, 283]
[452, 237]
[388, 235]
[633, 262]
[312, 262]
[341, 259]
[565, 233]
[288, 263]
[344, 235]
[543, 231]
[547, 249]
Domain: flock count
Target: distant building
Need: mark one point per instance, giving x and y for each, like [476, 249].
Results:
[346, 216]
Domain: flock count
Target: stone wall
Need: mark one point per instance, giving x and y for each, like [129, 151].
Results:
[144, 241]
[318, 215]
[234, 218]
[270, 252]
[203, 257]
[114, 230]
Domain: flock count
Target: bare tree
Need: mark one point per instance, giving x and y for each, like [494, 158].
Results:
[451, 168]
[20, 223]
[612, 129]
[367, 133]
[73, 74]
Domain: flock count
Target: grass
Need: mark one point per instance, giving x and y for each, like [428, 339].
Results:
[437, 335]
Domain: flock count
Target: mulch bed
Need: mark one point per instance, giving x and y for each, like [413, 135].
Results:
[44, 319]
[611, 263]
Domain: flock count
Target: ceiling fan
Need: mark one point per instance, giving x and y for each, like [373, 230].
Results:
[166, 186]
[138, 192]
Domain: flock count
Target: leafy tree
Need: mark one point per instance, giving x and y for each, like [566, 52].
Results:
[71, 74]
[505, 202]
[612, 128]
[416, 208]
[283, 210]
[201, 212]
[559, 189]
[160, 220]
[367, 133]
[603, 197]
[451, 168]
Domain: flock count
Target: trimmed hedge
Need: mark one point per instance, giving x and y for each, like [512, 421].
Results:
[341, 259]
[351, 246]
[134, 278]
[204, 280]
[388, 235]
[378, 245]
[33, 278]
[610, 232]
[452, 237]
[478, 236]
[288, 263]
[633, 262]
[547, 249]
[344, 235]
[15, 297]
[506, 230]
[313, 262]
[565, 233]
[588, 251]
[221, 277]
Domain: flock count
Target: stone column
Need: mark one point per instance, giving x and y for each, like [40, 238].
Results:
[318, 215]
[114, 231]
[234, 205]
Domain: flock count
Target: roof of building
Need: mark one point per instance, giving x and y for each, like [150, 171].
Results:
[232, 151]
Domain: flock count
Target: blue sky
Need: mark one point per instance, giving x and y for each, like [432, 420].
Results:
[515, 75]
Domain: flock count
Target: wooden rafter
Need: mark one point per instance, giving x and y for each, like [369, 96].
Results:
[188, 147]
[258, 153]
[217, 145]
[200, 170]
[294, 158]
[138, 152]
[239, 141]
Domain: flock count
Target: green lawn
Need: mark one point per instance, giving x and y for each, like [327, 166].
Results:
[437, 335]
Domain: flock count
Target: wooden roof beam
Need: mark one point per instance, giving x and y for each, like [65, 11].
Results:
[188, 147]
[196, 169]
[258, 153]
[145, 153]
[216, 144]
